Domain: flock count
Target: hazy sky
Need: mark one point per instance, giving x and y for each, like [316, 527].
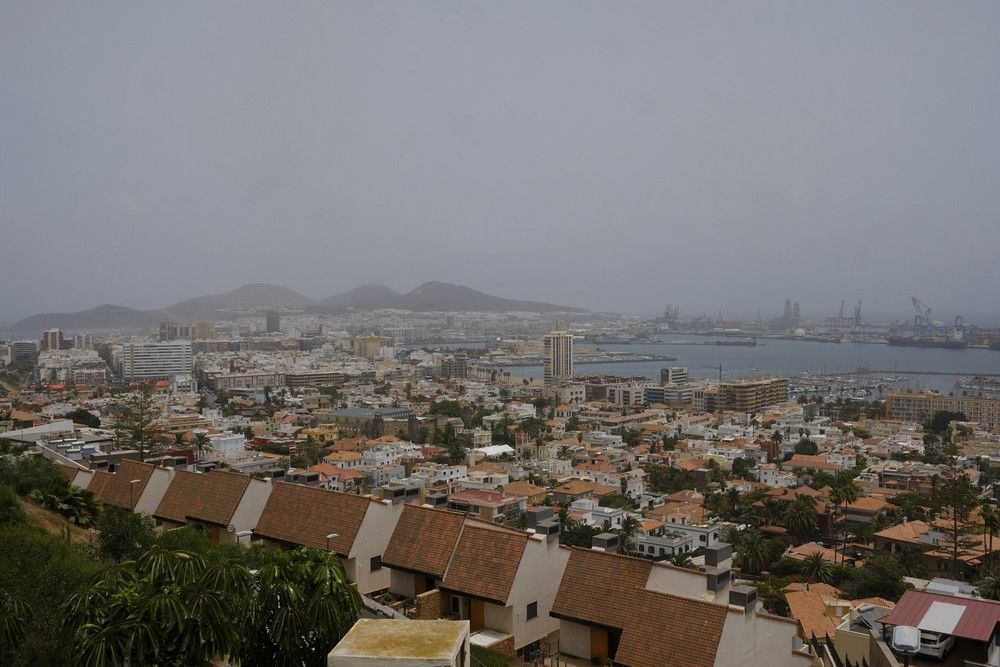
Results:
[610, 155]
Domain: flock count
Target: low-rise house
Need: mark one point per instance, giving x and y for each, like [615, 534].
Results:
[504, 581]
[637, 613]
[971, 621]
[579, 488]
[534, 494]
[222, 504]
[420, 549]
[361, 527]
[495, 507]
[122, 488]
[865, 509]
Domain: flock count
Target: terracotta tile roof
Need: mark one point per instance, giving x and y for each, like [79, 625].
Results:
[485, 562]
[687, 496]
[808, 608]
[694, 513]
[211, 497]
[826, 590]
[868, 504]
[304, 515]
[691, 464]
[68, 472]
[578, 486]
[522, 488]
[817, 461]
[800, 552]
[593, 586]
[665, 629]
[115, 489]
[909, 531]
[424, 540]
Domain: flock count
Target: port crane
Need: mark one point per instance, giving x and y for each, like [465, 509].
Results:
[923, 320]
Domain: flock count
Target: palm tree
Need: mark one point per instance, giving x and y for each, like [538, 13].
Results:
[817, 568]
[169, 607]
[800, 517]
[201, 444]
[302, 605]
[626, 534]
[681, 560]
[752, 551]
[176, 608]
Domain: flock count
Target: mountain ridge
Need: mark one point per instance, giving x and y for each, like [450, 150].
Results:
[428, 296]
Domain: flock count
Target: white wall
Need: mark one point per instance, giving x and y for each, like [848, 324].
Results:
[153, 492]
[754, 640]
[574, 639]
[250, 508]
[402, 583]
[372, 539]
[537, 580]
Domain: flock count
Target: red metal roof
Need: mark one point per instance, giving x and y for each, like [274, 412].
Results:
[976, 622]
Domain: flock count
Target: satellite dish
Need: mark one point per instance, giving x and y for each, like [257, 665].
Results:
[231, 528]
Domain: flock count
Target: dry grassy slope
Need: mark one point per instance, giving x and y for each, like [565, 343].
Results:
[51, 522]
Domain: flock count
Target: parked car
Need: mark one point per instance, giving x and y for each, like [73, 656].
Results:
[935, 644]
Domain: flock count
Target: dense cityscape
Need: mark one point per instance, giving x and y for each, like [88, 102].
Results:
[452, 481]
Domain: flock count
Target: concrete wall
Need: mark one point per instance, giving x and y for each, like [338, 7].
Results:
[851, 645]
[756, 640]
[402, 583]
[683, 583]
[537, 580]
[152, 494]
[500, 619]
[82, 479]
[574, 639]
[250, 508]
[372, 539]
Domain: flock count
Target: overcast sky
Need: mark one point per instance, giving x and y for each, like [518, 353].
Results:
[617, 155]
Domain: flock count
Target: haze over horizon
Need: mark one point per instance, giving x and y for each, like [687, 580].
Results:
[623, 157]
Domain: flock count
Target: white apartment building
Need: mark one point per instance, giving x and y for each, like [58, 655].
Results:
[775, 477]
[558, 357]
[674, 375]
[150, 361]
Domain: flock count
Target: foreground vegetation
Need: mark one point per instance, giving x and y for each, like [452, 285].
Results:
[131, 596]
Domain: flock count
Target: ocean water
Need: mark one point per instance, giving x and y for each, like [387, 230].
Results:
[791, 357]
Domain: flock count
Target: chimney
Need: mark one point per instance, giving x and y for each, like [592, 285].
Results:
[607, 542]
[536, 515]
[744, 596]
[718, 566]
[549, 528]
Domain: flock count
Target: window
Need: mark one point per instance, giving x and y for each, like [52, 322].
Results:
[376, 564]
[532, 610]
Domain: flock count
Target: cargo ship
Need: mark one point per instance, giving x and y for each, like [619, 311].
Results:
[928, 341]
[742, 342]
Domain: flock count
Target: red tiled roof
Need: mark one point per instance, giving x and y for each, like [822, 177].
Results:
[485, 562]
[424, 540]
[665, 629]
[115, 488]
[304, 515]
[592, 586]
[977, 621]
[211, 497]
